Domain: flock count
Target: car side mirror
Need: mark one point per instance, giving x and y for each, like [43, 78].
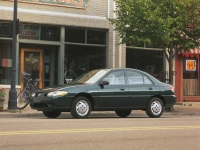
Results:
[103, 82]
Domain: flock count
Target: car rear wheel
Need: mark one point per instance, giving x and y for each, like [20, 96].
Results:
[123, 113]
[51, 114]
[80, 107]
[154, 108]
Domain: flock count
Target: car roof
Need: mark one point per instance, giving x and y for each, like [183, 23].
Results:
[126, 69]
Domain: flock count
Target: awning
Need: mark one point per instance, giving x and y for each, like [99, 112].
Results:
[191, 53]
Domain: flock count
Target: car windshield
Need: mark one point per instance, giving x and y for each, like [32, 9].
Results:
[90, 77]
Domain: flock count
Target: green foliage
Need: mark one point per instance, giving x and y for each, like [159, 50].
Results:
[158, 22]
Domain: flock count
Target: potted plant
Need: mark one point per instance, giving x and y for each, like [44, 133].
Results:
[2, 98]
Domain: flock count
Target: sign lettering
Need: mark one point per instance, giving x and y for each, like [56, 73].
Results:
[67, 3]
[28, 32]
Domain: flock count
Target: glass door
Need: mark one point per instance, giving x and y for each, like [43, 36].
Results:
[32, 63]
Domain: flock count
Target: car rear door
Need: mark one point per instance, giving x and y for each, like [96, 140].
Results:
[141, 88]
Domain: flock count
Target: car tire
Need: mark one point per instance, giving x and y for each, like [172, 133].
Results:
[80, 107]
[51, 114]
[123, 113]
[154, 108]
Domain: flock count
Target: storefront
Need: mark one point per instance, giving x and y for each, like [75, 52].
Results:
[187, 78]
[84, 50]
[58, 40]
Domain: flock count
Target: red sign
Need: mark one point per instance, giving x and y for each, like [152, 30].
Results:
[6, 62]
[191, 65]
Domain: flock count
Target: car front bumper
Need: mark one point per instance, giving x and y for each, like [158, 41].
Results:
[50, 104]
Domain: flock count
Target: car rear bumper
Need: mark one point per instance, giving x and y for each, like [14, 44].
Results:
[170, 100]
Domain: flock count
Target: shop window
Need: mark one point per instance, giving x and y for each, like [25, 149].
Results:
[29, 32]
[81, 59]
[5, 62]
[74, 35]
[5, 30]
[50, 33]
[150, 61]
[141, 44]
[96, 37]
[190, 76]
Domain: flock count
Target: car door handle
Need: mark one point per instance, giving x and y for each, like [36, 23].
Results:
[150, 88]
[122, 89]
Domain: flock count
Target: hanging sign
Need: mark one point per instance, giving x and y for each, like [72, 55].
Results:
[190, 65]
[67, 3]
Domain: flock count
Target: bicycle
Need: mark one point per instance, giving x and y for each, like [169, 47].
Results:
[23, 98]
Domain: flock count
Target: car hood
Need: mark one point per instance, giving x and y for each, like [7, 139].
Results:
[59, 87]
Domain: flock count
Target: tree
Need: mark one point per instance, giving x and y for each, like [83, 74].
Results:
[171, 25]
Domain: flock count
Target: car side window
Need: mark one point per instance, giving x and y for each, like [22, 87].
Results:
[115, 78]
[134, 77]
[147, 80]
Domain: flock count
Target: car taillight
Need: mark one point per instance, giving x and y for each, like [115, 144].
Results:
[172, 88]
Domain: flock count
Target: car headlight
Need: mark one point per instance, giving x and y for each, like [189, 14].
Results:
[33, 95]
[57, 93]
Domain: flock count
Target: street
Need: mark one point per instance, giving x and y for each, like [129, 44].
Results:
[101, 131]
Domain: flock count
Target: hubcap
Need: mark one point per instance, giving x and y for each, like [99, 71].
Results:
[82, 108]
[156, 107]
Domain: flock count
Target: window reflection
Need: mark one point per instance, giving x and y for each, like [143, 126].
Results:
[5, 29]
[152, 61]
[134, 77]
[50, 33]
[115, 78]
[81, 59]
[96, 37]
[75, 35]
[5, 62]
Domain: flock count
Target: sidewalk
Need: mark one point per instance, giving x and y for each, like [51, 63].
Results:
[179, 109]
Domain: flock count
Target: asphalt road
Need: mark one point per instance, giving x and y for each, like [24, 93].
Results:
[101, 131]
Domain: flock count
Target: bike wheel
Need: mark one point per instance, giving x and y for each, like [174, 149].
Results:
[23, 99]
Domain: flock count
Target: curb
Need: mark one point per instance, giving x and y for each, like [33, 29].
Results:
[179, 109]
[97, 114]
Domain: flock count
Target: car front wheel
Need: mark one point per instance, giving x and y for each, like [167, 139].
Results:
[51, 114]
[123, 113]
[154, 108]
[80, 107]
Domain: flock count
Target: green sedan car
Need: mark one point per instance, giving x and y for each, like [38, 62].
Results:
[121, 90]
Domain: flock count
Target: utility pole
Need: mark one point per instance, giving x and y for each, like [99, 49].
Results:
[12, 102]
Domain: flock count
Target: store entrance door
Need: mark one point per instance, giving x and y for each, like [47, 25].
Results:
[32, 63]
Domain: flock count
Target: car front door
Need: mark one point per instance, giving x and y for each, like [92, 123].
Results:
[141, 88]
[115, 94]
